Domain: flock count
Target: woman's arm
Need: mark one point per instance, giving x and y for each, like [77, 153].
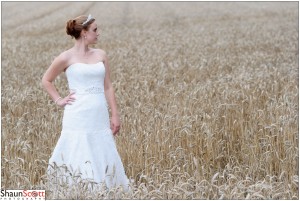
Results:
[57, 67]
[110, 97]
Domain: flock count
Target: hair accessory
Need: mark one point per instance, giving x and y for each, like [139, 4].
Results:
[87, 20]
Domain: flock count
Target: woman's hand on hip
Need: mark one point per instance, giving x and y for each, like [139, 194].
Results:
[68, 100]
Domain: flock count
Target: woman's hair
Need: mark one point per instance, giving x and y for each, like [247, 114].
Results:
[75, 26]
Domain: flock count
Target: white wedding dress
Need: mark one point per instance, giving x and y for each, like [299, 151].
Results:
[86, 145]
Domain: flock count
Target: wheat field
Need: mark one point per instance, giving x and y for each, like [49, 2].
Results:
[207, 92]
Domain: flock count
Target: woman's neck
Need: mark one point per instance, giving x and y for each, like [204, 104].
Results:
[80, 47]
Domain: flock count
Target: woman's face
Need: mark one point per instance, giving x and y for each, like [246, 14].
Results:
[92, 33]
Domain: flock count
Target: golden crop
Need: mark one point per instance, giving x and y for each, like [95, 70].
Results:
[207, 92]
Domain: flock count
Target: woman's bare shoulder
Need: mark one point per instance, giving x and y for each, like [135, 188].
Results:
[100, 53]
[66, 55]
[63, 59]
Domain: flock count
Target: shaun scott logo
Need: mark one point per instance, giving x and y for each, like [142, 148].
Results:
[22, 195]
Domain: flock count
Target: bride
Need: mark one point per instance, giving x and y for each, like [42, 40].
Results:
[86, 144]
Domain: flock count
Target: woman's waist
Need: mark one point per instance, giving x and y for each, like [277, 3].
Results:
[87, 90]
[88, 101]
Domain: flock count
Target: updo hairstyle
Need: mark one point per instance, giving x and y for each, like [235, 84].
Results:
[74, 26]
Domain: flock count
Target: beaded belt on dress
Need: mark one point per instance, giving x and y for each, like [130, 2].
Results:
[89, 90]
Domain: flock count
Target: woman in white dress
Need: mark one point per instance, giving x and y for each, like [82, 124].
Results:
[86, 145]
